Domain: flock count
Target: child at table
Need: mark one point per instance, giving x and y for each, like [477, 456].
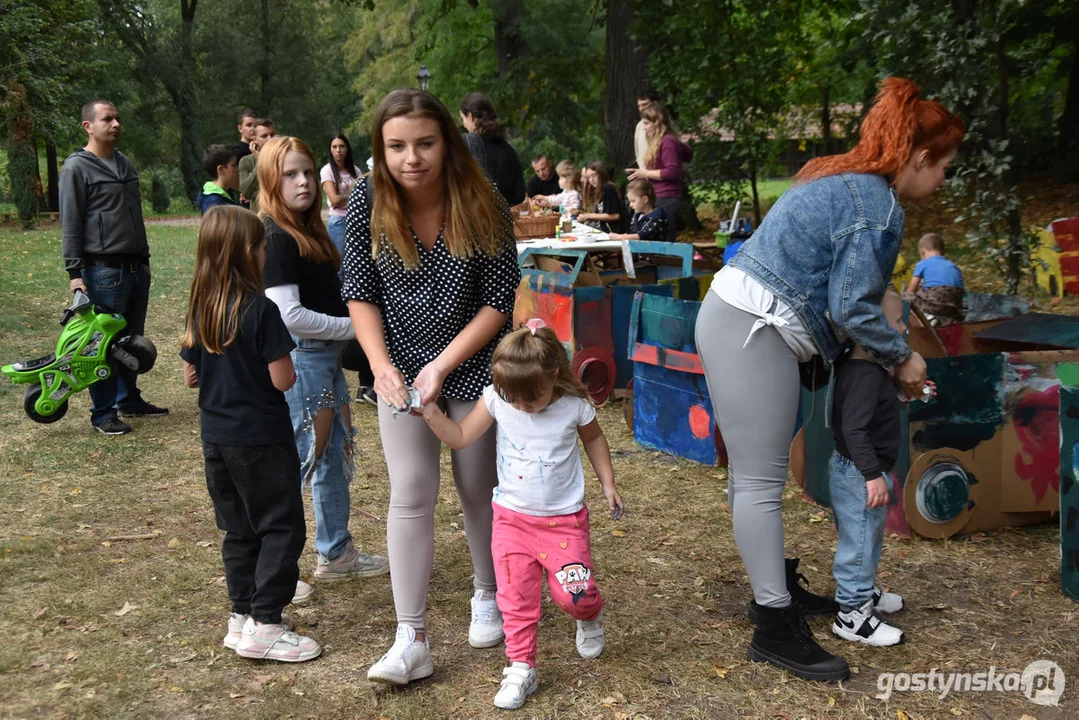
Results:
[540, 518]
[648, 222]
[937, 286]
[570, 182]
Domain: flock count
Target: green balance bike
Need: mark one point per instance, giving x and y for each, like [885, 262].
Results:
[91, 347]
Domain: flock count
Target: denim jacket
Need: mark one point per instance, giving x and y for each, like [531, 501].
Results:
[827, 249]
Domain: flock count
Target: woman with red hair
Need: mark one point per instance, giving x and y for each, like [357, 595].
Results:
[812, 276]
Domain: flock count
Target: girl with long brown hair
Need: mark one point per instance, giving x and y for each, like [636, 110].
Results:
[301, 277]
[236, 352]
[664, 163]
[540, 519]
[600, 199]
[431, 276]
[811, 276]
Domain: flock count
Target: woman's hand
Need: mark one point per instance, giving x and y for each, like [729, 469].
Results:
[910, 374]
[390, 387]
[429, 382]
[637, 174]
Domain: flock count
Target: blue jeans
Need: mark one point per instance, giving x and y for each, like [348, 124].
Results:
[335, 226]
[320, 383]
[125, 292]
[861, 532]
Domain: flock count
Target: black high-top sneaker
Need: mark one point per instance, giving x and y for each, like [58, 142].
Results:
[798, 587]
[783, 639]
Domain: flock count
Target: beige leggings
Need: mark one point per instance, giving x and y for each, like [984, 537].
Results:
[412, 458]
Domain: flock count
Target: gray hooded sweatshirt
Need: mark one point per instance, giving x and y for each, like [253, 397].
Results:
[100, 211]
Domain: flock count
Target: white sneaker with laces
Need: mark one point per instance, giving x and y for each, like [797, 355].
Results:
[236, 628]
[275, 642]
[518, 682]
[590, 640]
[408, 660]
[862, 626]
[485, 630]
[303, 592]
[885, 601]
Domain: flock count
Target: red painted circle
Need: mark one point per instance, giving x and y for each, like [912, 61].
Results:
[594, 366]
[700, 424]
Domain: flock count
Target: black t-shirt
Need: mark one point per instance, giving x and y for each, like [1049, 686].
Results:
[609, 203]
[425, 308]
[535, 186]
[241, 150]
[239, 403]
[865, 417]
[499, 160]
[320, 288]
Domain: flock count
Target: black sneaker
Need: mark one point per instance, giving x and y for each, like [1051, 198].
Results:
[144, 410]
[113, 426]
[366, 393]
[798, 587]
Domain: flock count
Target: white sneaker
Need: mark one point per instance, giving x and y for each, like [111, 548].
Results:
[236, 628]
[518, 682]
[885, 601]
[275, 642]
[485, 630]
[303, 592]
[408, 660]
[590, 639]
[861, 625]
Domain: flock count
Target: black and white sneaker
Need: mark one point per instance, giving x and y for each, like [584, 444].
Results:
[886, 602]
[113, 426]
[144, 410]
[366, 393]
[861, 625]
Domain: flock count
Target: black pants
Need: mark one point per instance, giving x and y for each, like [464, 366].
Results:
[256, 496]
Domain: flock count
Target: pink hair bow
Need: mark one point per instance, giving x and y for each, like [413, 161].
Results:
[535, 324]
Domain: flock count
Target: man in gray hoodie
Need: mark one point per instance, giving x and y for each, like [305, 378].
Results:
[105, 251]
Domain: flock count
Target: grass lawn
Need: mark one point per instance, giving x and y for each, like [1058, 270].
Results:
[675, 587]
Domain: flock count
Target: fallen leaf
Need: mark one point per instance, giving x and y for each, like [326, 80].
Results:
[183, 658]
[61, 686]
[76, 491]
[96, 453]
[698, 581]
[174, 543]
[720, 672]
[71, 656]
[900, 715]
[831, 701]
[38, 662]
[618, 533]
[1014, 593]
[128, 607]
[235, 695]
[957, 711]
[204, 543]
[40, 613]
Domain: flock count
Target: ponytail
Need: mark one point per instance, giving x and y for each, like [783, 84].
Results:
[898, 123]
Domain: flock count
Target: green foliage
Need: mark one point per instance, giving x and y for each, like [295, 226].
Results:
[159, 195]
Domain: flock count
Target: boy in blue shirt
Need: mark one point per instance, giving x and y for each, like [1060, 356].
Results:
[937, 286]
[219, 163]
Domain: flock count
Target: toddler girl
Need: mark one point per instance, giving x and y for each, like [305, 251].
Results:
[540, 518]
[570, 182]
[647, 223]
[236, 352]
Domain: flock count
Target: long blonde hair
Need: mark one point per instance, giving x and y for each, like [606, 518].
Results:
[226, 271]
[526, 360]
[661, 119]
[475, 221]
[306, 228]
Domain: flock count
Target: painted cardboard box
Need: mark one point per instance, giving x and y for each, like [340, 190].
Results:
[1069, 473]
[985, 452]
[588, 305]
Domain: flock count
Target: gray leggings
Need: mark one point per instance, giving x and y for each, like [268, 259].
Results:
[412, 459]
[754, 394]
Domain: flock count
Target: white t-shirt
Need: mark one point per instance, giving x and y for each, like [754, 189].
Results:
[347, 181]
[744, 292]
[539, 462]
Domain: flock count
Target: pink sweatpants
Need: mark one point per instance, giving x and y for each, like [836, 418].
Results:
[523, 546]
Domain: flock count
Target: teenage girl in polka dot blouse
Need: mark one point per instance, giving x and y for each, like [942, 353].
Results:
[430, 275]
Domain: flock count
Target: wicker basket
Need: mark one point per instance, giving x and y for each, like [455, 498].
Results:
[533, 225]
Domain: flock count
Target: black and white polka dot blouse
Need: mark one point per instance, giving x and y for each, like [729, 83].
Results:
[425, 308]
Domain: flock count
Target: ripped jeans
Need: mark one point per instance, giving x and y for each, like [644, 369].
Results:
[320, 384]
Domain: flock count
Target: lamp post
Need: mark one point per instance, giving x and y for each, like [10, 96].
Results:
[424, 76]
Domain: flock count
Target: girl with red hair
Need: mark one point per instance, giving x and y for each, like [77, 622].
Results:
[811, 277]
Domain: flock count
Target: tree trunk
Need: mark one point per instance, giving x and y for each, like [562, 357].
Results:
[826, 118]
[1068, 124]
[53, 174]
[509, 45]
[185, 99]
[627, 78]
[265, 99]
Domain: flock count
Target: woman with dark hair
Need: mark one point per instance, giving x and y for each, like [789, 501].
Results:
[486, 138]
[812, 275]
[600, 199]
[663, 165]
[431, 276]
[338, 177]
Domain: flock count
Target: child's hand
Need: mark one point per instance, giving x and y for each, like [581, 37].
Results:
[878, 493]
[429, 411]
[614, 502]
